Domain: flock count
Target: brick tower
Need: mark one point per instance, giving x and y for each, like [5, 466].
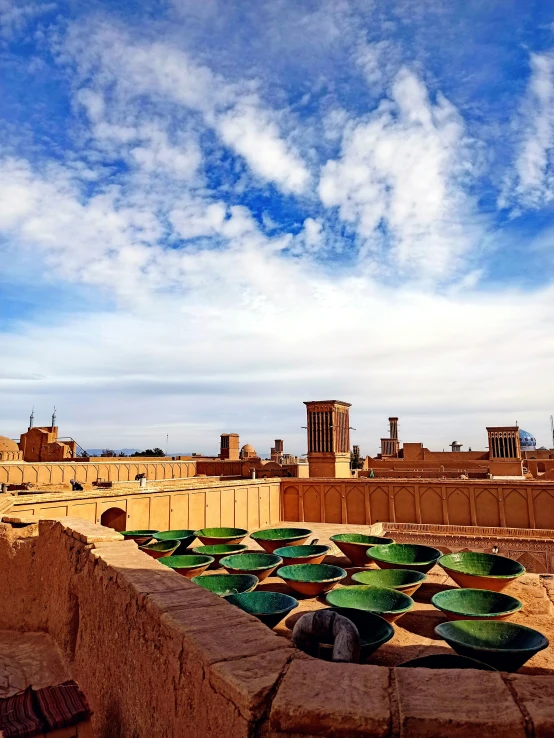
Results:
[229, 448]
[328, 438]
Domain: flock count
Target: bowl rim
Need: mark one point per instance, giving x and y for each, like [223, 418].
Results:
[302, 533]
[204, 577]
[190, 566]
[263, 593]
[203, 532]
[189, 534]
[370, 554]
[342, 574]
[363, 587]
[435, 599]
[223, 562]
[285, 549]
[389, 630]
[150, 546]
[421, 577]
[139, 532]
[544, 640]
[444, 566]
[336, 538]
[239, 547]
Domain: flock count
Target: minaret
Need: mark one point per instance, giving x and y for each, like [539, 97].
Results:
[54, 418]
[328, 438]
[32, 419]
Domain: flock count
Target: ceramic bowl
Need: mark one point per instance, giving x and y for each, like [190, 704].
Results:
[227, 584]
[404, 580]
[139, 536]
[475, 604]
[355, 545]
[219, 550]
[269, 607]
[213, 536]
[272, 538]
[259, 564]
[160, 549]
[302, 554]
[373, 629]
[405, 556]
[188, 565]
[388, 603]
[311, 579]
[445, 661]
[501, 644]
[185, 538]
[481, 570]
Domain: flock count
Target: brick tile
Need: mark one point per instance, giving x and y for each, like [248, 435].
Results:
[536, 693]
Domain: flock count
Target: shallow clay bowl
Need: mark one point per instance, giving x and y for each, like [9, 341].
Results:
[355, 545]
[269, 607]
[445, 661]
[388, 603]
[475, 604]
[311, 579]
[139, 536]
[405, 556]
[501, 644]
[302, 554]
[219, 550]
[259, 564]
[227, 584]
[481, 570]
[160, 549]
[373, 629]
[404, 580]
[273, 538]
[188, 565]
[185, 538]
[213, 536]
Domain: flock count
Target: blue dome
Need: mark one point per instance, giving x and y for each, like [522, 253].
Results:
[527, 441]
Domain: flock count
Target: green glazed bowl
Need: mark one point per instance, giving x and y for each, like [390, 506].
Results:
[227, 584]
[260, 564]
[139, 536]
[405, 556]
[311, 579]
[481, 570]
[272, 538]
[388, 603]
[302, 554]
[189, 566]
[355, 545]
[219, 551]
[213, 536]
[269, 607]
[373, 629]
[506, 646]
[185, 538]
[445, 661]
[404, 580]
[160, 549]
[475, 604]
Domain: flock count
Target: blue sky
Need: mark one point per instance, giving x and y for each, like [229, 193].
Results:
[210, 212]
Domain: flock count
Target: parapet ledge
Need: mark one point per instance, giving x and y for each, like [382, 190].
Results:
[81, 530]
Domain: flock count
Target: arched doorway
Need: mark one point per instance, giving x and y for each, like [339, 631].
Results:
[115, 518]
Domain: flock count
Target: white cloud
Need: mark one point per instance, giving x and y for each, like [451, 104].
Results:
[14, 16]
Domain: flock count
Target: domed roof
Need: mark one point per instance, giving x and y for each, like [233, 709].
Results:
[6, 444]
[527, 441]
[249, 448]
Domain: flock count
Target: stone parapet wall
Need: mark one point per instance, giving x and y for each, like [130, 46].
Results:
[158, 657]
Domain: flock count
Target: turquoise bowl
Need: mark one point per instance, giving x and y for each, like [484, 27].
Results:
[475, 604]
[505, 646]
[160, 549]
[311, 579]
[269, 607]
[404, 580]
[219, 551]
[373, 629]
[302, 554]
[260, 564]
[388, 603]
[185, 538]
[187, 565]
[405, 556]
[139, 536]
[272, 538]
[355, 545]
[481, 570]
[213, 536]
[445, 661]
[227, 584]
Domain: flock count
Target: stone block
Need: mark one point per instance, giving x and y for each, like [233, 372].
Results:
[86, 532]
[232, 640]
[323, 698]
[456, 704]
[536, 694]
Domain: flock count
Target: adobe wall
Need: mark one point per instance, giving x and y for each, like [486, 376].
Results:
[87, 472]
[158, 657]
[487, 503]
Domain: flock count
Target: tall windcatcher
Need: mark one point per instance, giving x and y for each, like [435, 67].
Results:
[328, 426]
